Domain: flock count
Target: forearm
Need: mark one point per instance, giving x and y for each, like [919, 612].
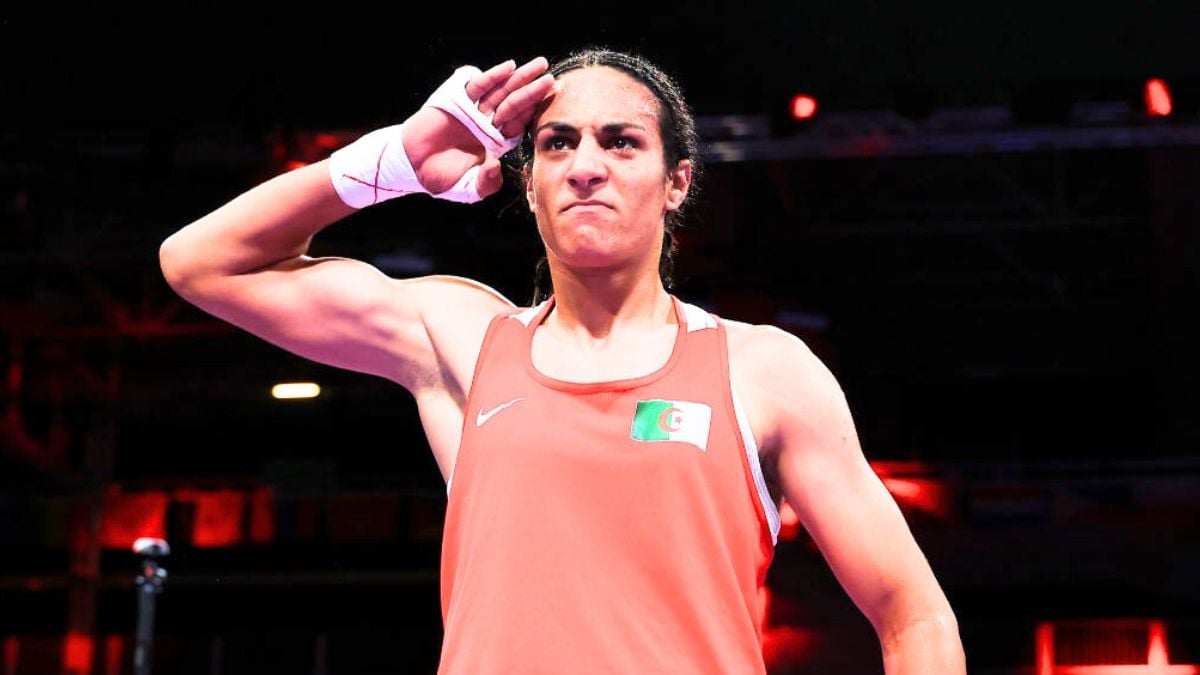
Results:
[929, 645]
[275, 221]
[271, 222]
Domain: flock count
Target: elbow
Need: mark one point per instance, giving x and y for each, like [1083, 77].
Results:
[935, 623]
[173, 263]
[929, 643]
[901, 617]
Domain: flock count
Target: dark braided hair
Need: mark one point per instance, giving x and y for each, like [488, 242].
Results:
[676, 126]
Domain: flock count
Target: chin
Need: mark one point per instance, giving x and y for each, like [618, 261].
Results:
[587, 240]
[590, 259]
[593, 243]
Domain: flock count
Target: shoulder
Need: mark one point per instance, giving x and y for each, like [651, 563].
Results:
[452, 305]
[453, 317]
[764, 349]
[448, 286]
[782, 382]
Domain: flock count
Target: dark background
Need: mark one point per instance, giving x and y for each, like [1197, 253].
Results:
[982, 233]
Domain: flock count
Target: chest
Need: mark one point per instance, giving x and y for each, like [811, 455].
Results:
[618, 357]
[605, 454]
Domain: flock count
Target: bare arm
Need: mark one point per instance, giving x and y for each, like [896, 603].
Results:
[812, 448]
[246, 261]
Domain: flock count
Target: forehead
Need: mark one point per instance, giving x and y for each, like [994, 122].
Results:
[598, 95]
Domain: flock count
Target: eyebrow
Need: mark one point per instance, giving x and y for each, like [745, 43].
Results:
[610, 128]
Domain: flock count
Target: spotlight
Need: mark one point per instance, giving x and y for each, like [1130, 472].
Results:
[1158, 98]
[289, 390]
[803, 107]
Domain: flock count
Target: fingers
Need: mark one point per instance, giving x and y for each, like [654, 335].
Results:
[515, 111]
[490, 179]
[490, 79]
[519, 78]
[509, 94]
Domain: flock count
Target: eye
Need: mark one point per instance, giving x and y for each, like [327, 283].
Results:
[556, 142]
[623, 143]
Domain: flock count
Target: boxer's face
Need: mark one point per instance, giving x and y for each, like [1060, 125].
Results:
[597, 183]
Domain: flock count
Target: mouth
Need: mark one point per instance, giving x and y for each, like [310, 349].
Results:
[587, 204]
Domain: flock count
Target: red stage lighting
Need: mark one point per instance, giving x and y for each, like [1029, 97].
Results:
[789, 523]
[804, 107]
[1158, 98]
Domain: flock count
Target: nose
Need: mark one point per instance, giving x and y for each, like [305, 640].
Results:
[588, 168]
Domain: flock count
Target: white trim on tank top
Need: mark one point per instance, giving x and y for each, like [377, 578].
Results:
[764, 495]
[699, 319]
[527, 315]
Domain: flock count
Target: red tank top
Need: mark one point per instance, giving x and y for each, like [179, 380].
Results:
[610, 527]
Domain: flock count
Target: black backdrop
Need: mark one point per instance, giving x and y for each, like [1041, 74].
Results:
[1019, 323]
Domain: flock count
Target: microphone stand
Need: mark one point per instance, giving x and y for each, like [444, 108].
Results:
[150, 584]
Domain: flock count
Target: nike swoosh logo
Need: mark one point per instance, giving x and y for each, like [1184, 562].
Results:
[482, 417]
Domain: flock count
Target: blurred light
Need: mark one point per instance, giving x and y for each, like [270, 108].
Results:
[114, 653]
[786, 648]
[293, 164]
[804, 107]
[262, 515]
[1044, 649]
[1103, 640]
[78, 649]
[327, 141]
[404, 262]
[1157, 651]
[12, 649]
[1125, 669]
[910, 485]
[789, 522]
[296, 390]
[218, 516]
[129, 516]
[920, 493]
[1158, 98]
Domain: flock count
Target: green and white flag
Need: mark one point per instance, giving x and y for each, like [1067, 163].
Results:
[659, 420]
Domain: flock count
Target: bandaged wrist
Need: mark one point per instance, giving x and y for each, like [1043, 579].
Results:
[373, 168]
[376, 167]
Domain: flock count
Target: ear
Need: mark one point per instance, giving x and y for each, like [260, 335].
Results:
[678, 182]
[530, 199]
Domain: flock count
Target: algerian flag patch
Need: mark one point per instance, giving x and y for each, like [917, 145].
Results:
[682, 421]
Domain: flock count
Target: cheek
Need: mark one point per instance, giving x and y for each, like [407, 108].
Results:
[540, 199]
[652, 191]
[538, 185]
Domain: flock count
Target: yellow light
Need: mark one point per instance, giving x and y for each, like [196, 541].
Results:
[296, 390]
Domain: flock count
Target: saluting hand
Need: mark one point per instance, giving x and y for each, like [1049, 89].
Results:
[441, 149]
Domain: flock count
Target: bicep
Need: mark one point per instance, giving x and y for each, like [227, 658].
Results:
[843, 504]
[340, 312]
[857, 526]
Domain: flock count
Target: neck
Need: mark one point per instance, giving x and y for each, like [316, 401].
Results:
[596, 301]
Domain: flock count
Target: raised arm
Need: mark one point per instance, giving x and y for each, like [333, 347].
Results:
[246, 262]
[811, 449]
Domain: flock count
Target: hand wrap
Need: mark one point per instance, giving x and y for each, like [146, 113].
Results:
[375, 167]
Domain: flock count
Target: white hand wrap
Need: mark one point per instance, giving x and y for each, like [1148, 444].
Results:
[375, 167]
